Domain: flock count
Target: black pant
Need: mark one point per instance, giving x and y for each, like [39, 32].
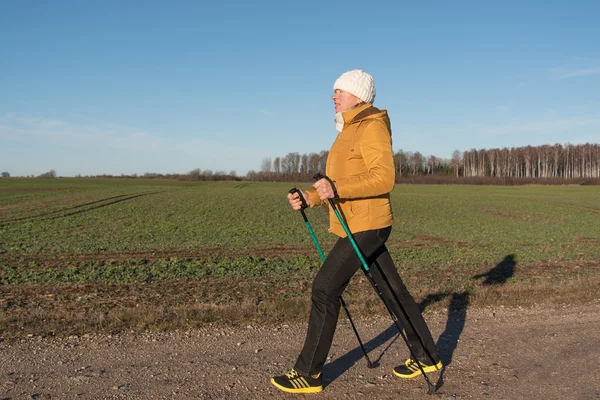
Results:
[331, 281]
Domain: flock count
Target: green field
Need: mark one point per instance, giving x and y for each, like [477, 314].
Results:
[111, 254]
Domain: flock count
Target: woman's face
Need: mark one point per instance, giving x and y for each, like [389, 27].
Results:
[344, 101]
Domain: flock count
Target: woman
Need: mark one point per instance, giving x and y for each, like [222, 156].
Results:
[360, 167]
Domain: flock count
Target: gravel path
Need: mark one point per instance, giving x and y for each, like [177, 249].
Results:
[540, 353]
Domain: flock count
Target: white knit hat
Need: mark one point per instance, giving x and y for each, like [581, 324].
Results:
[358, 83]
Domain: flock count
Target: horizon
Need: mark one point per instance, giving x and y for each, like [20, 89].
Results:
[441, 163]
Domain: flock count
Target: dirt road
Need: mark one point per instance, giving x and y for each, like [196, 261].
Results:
[542, 353]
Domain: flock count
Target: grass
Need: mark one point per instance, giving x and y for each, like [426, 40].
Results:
[84, 255]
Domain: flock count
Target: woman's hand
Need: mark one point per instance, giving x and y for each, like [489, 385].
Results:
[295, 202]
[324, 189]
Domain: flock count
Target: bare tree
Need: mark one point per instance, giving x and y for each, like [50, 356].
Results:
[492, 157]
[290, 166]
[277, 165]
[527, 155]
[596, 158]
[265, 166]
[470, 162]
[416, 163]
[456, 158]
[295, 163]
[304, 165]
[400, 162]
[323, 161]
[481, 163]
[49, 174]
[556, 159]
[313, 163]
[194, 174]
[432, 163]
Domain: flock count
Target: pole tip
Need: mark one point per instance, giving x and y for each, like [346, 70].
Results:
[372, 365]
[431, 389]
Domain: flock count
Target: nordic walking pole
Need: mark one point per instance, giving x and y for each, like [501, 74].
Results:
[370, 364]
[365, 267]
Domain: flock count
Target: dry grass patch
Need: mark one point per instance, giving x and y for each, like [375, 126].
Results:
[64, 310]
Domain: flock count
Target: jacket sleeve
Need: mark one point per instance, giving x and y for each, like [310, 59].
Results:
[375, 145]
[315, 200]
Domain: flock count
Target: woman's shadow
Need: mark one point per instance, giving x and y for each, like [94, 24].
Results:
[457, 311]
[448, 340]
[500, 273]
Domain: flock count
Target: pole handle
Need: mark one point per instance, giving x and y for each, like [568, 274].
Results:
[294, 190]
[318, 176]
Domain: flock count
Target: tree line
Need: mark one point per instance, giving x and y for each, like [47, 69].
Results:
[558, 162]
[516, 165]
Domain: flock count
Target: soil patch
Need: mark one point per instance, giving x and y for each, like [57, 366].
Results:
[489, 353]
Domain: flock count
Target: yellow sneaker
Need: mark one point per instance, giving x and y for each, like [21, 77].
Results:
[293, 382]
[410, 369]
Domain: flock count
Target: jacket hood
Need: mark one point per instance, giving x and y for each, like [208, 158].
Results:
[366, 112]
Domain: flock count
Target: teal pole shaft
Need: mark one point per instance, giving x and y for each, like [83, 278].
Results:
[350, 237]
[314, 238]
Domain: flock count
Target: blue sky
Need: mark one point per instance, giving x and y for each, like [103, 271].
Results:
[95, 87]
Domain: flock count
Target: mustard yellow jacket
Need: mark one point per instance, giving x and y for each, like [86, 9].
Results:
[361, 163]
